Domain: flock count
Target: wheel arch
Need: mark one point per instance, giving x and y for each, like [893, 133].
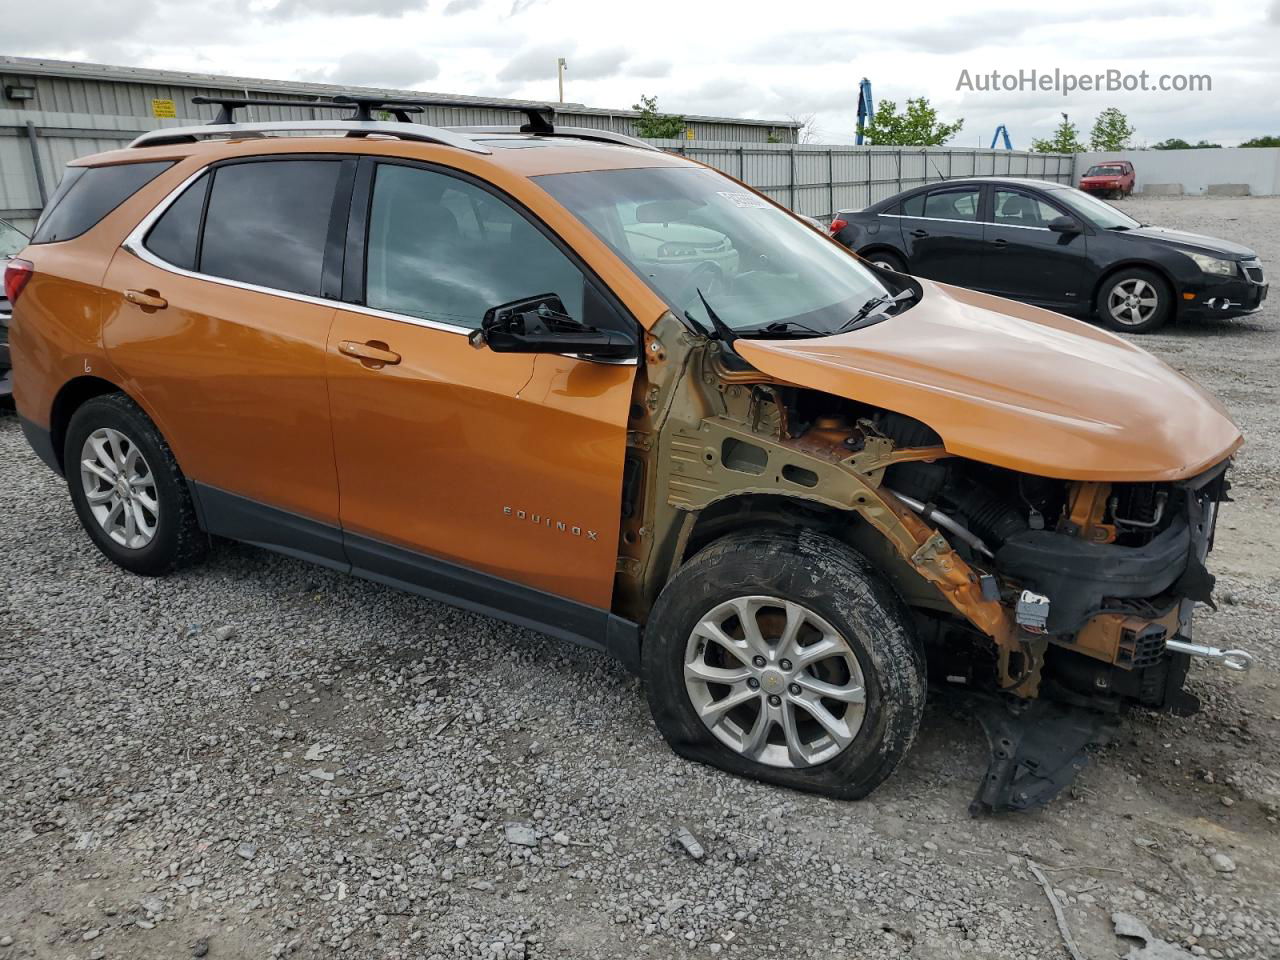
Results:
[71, 396]
[1150, 265]
[872, 249]
[739, 512]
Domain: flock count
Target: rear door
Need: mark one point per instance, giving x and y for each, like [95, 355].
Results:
[492, 479]
[217, 315]
[1026, 260]
[942, 234]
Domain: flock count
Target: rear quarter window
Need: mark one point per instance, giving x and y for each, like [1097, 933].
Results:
[87, 194]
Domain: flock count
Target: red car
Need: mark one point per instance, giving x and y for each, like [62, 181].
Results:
[1112, 179]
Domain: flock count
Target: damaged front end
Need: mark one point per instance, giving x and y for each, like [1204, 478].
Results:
[1057, 604]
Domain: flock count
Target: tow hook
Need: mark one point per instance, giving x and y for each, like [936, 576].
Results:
[1240, 660]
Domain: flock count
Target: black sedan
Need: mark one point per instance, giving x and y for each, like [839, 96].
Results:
[1051, 245]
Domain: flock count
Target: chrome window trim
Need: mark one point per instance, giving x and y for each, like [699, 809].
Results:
[1014, 226]
[907, 216]
[134, 243]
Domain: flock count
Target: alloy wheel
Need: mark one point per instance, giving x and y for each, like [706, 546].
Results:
[1133, 301]
[120, 488]
[774, 681]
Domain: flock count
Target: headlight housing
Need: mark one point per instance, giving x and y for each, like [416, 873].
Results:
[1212, 265]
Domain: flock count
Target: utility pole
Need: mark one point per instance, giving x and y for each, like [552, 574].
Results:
[561, 67]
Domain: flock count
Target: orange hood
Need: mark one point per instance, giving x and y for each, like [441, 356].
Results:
[1017, 387]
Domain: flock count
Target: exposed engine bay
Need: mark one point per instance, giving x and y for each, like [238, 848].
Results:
[1058, 603]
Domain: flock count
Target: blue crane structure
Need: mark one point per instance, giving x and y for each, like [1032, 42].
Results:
[1001, 131]
[865, 108]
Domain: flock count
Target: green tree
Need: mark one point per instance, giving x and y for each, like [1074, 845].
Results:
[1262, 142]
[655, 125]
[1111, 131]
[917, 126]
[1065, 139]
[1177, 143]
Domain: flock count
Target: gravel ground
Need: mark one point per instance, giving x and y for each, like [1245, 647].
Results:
[260, 758]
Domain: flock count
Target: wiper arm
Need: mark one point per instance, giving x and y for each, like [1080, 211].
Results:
[874, 306]
[723, 331]
[783, 327]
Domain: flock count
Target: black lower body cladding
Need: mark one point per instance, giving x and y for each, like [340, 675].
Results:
[1077, 575]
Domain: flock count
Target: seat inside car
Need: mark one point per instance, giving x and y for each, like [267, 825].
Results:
[1018, 210]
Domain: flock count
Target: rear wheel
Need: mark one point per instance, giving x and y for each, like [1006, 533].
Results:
[127, 490]
[783, 656]
[1135, 301]
[886, 261]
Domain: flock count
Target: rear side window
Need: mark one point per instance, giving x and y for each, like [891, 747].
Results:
[87, 194]
[267, 223]
[952, 205]
[176, 234]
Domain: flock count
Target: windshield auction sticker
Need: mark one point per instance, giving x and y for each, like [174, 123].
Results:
[744, 199]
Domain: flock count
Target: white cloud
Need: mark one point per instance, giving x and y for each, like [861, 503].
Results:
[294, 9]
[739, 58]
[401, 69]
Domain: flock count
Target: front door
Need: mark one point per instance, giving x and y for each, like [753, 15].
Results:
[216, 317]
[492, 479]
[942, 235]
[1026, 260]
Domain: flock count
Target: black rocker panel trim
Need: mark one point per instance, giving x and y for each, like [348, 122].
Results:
[239, 518]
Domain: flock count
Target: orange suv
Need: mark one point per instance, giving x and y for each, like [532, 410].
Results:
[605, 392]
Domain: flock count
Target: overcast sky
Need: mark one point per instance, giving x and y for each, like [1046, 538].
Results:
[722, 57]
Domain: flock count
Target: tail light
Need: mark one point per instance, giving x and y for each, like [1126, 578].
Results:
[837, 225]
[16, 274]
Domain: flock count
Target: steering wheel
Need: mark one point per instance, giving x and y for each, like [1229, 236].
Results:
[706, 276]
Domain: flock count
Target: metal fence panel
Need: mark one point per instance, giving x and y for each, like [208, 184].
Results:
[820, 179]
[814, 179]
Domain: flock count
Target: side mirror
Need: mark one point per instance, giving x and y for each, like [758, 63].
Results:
[541, 325]
[1064, 224]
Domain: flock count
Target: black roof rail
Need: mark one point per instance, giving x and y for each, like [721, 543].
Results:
[229, 105]
[541, 116]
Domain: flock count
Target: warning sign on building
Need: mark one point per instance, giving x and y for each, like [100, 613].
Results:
[164, 109]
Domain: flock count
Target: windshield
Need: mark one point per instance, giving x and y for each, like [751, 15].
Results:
[11, 241]
[688, 230]
[1105, 170]
[1098, 212]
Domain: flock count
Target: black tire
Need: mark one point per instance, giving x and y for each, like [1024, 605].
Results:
[886, 260]
[830, 579]
[1159, 315]
[177, 541]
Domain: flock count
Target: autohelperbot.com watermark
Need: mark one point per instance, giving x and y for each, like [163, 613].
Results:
[1066, 82]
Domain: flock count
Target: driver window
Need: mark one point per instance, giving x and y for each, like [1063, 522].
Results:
[444, 250]
[1015, 209]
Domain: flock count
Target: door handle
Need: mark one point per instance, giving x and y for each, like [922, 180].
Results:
[147, 299]
[1000, 242]
[919, 233]
[374, 352]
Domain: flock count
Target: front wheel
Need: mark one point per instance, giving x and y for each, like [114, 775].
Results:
[784, 657]
[1135, 301]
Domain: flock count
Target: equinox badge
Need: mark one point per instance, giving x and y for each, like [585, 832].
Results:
[544, 521]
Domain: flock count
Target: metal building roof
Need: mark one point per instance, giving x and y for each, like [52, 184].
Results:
[35, 66]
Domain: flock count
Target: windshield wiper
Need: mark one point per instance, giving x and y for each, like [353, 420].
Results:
[871, 311]
[721, 330]
[782, 327]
